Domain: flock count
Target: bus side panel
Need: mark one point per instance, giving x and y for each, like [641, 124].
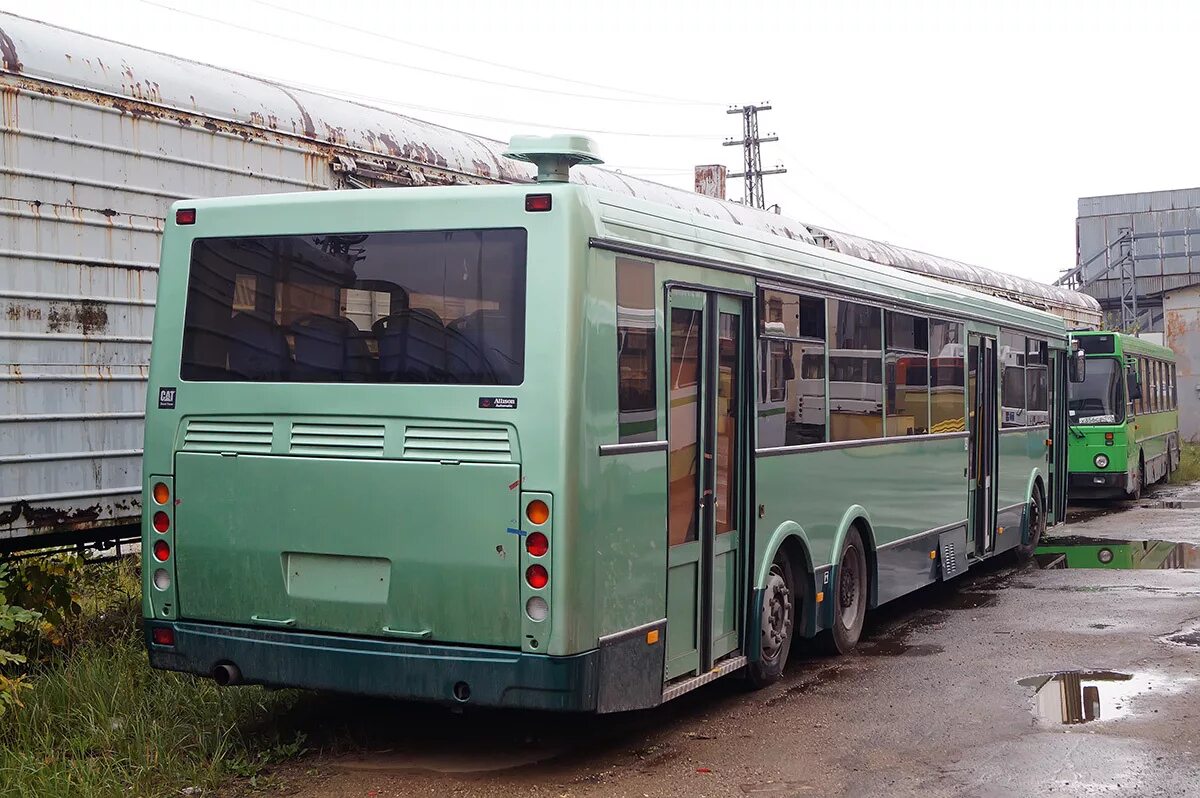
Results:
[1022, 451]
[622, 498]
[909, 487]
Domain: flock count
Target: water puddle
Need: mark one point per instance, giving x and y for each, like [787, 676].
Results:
[1170, 504]
[1084, 552]
[822, 677]
[1073, 697]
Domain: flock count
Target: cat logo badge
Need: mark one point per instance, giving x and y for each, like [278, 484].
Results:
[166, 398]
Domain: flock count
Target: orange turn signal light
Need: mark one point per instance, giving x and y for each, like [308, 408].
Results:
[161, 494]
[537, 512]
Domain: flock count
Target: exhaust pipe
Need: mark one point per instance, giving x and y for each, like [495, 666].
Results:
[227, 674]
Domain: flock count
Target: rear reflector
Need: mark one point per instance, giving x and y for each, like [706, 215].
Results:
[161, 550]
[185, 216]
[537, 202]
[163, 636]
[537, 576]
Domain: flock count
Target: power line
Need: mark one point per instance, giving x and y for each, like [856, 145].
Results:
[337, 94]
[453, 75]
[476, 59]
[839, 192]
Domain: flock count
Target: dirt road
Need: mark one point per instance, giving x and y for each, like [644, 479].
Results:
[942, 700]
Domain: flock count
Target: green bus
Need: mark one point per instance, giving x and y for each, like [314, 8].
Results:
[1071, 552]
[1124, 416]
[550, 447]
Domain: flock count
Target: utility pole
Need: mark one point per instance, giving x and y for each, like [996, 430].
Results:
[752, 153]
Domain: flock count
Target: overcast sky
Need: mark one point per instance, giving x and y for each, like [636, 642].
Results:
[964, 128]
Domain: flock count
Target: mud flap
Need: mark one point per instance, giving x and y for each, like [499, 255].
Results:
[632, 664]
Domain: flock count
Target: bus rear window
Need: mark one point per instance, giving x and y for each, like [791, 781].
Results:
[442, 307]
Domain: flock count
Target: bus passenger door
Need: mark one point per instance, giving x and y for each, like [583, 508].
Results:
[982, 443]
[706, 434]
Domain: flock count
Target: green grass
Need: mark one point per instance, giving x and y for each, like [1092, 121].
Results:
[98, 721]
[1189, 465]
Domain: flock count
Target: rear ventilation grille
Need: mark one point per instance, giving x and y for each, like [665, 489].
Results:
[337, 440]
[476, 444]
[243, 437]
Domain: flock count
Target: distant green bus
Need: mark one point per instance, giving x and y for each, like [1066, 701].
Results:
[1124, 417]
[550, 447]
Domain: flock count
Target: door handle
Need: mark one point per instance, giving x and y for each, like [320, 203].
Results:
[273, 621]
[423, 634]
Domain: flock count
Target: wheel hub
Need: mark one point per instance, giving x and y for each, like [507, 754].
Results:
[776, 614]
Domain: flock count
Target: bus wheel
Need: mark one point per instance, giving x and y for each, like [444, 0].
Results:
[1037, 524]
[777, 623]
[850, 595]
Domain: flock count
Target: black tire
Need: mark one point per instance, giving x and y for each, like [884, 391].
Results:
[850, 595]
[1037, 524]
[777, 623]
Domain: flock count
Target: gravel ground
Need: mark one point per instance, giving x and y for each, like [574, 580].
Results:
[931, 705]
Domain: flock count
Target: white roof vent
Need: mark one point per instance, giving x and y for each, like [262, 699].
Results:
[554, 155]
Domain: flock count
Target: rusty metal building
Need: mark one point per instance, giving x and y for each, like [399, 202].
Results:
[97, 139]
[1131, 248]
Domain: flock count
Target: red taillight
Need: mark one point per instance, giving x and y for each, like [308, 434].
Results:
[538, 202]
[536, 576]
[161, 522]
[163, 636]
[185, 216]
[161, 550]
[536, 544]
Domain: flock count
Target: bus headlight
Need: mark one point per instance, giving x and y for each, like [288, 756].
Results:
[1101, 461]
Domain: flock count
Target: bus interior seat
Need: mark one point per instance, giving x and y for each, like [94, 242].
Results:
[258, 349]
[330, 349]
[412, 346]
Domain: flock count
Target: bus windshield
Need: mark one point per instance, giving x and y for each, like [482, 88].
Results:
[393, 307]
[1097, 400]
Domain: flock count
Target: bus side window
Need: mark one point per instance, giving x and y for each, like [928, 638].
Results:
[791, 402]
[907, 373]
[1012, 380]
[855, 371]
[637, 387]
[1037, 390]
[947, 349]
[1174, 388]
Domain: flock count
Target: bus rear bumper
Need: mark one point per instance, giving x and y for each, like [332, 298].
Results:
[392, 669]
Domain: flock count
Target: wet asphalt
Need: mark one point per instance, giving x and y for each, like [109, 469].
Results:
[955, 691]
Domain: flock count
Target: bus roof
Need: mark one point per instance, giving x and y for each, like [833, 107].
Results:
[637, 226]
[1131, 344]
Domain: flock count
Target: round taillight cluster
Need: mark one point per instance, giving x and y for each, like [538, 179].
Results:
[537, 576]
[536, 544]
[161, 522]
[162, 551]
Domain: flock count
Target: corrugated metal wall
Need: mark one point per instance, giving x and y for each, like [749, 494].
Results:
[1165, 241]
[84, 188]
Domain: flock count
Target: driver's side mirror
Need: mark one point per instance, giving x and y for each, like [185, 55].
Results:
[1133, 385]
[1077, 366]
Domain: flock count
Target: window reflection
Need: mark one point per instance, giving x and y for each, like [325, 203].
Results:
[637, 401]
[855, 371]
[946, 377]
[907, 372]
[683, 425]
[791, 408]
